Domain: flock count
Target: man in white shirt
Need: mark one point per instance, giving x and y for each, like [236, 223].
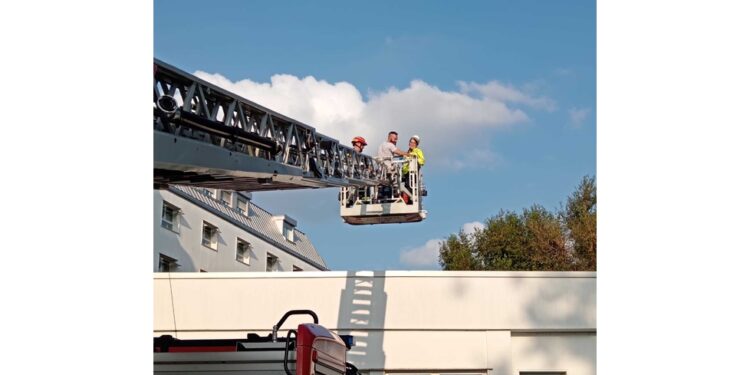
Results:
[388, 149]
[386, 152]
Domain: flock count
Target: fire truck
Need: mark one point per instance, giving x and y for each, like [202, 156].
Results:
[308, 350]
[206, 136]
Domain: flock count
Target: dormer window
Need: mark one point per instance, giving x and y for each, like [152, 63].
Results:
[242, 206]
[285, 225]
[288, 232]
[226, 198]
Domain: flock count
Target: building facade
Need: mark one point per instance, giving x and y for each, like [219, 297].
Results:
[403, 322]
[211, 230]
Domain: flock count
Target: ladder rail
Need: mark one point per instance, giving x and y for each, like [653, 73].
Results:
[208, 113]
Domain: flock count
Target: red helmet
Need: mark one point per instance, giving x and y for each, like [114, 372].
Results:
[360, 140]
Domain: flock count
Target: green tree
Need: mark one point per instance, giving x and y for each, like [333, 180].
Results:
[500, 245]
[579, 216]
[456, 253]
[535, 239]
[545, 241]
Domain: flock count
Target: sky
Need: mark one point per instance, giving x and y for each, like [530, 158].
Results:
[502, 95]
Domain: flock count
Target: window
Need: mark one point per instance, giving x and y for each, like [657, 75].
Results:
[170, 217]
[226, 198]
[288, 232]
[210, 193]
[242, 205]
[272, 263]
[243, 251]
[296, 269]
[167, 264]
[210, 236]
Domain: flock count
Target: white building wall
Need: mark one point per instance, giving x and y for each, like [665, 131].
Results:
[186, 246]
[403, 321]
[570, 353]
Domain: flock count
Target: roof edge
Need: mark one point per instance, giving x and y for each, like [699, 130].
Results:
[246, 228]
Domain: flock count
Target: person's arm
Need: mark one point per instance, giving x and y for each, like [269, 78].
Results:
[399, 152]
[395, 151]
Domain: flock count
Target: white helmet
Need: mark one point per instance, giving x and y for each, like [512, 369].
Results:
[416, 138]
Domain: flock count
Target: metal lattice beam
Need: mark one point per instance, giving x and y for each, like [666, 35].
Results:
[207, 136]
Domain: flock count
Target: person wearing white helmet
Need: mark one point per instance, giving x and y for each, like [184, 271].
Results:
[414, 152]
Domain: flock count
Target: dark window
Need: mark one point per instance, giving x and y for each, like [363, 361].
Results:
[170, 217]
[210, 236]
[243, 251]
[272, 263]
[167, 264]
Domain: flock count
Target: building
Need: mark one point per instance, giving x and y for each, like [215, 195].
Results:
[405, 322]
[210, 230]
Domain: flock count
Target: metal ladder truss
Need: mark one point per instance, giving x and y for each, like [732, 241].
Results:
[209, 137]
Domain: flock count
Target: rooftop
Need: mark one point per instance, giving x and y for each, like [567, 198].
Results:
[258, 222]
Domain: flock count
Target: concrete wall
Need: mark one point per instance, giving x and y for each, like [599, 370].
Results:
[574, 353]
[192, 256]
[408, 321]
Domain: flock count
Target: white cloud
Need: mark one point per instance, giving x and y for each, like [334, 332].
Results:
[423, 256]
[563, 72]
[448, 122]
[476, 159]
[326, 107]
[578, 116]
[428, 255]
[470, 228]
[497, 91]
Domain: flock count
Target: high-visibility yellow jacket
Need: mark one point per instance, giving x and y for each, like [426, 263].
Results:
[415, 152]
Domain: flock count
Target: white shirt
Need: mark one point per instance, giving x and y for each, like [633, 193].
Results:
[386, 150]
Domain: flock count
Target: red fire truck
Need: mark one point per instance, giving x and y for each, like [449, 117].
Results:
[308, 350]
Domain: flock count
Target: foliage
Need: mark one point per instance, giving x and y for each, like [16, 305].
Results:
[535, 239]
[580, 219]
[456, 253]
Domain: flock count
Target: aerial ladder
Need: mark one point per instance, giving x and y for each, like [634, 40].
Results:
[385, 203]
[206, 136]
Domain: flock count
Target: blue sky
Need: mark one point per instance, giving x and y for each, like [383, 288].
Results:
[503, 95]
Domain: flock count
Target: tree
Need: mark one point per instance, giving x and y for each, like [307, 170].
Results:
[545, 241]
[579, 216]
[500, 245]
[456, 253]
[535, 239]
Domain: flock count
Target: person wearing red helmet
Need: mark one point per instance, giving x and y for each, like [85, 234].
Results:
[359, 144]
